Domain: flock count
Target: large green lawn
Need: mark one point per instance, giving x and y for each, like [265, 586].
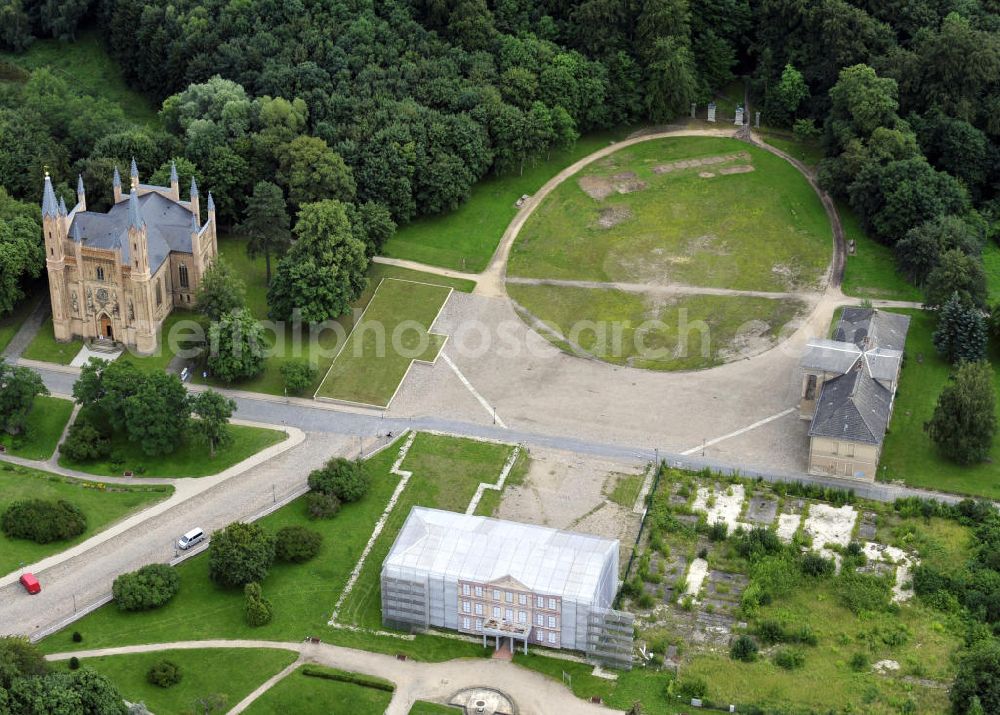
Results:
[45, 348]
[89, 68]
[46, 422]
[308, 695]
[393, 333]
[808, 152]
[231, 673]
[190, 459]
[871, 271]
[465, 239]
[646, 330]
[446, 474]
[319, 347]
[908, 454]
[101, 504]
[761, 230]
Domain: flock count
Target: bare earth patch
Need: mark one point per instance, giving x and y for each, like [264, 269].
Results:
[706, 174]
[596, 187]
[629, 186]
[614, 215]
[705, 161]
[738, 169]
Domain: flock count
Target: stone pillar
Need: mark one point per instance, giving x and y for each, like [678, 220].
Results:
[756, 120]
[694, 108]
[711, 111]
[738, 121]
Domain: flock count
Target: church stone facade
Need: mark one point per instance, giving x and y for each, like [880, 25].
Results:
[114, 277]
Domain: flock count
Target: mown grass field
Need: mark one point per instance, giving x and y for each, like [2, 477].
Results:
[103, 505]
[446, 473]
[190, 459]
[808, 152]
[908, 454]
[652, 332]
[465, 239]
[231, 673]
[422, 707]
[762, 230]
[305, 695]
[394, 332]
[46, 422]
[88, 67]
[317, 347]
[303, 594]
[44, 347]
[871, 271]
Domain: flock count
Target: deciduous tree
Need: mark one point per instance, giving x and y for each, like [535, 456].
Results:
[213, 411]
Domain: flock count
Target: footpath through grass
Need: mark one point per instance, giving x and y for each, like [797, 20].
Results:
[190, 459]
[908, 454]
[12, 321]
[224, 674]
[46, 422]
[102, 504]
[466, 238]
[309, 695]
[446, 473]
[393, 334]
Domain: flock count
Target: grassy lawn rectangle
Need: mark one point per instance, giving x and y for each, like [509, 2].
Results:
[567, 307]
[871, 271]
[190, 459]
[318, 350]
[232, 673]
[465, 239]
[626, 489]
[45, 348]
[422, 707]
[308, 695]
[101, 504]
[46, 422]
[381, 348]
[446, 473]
[908, 454]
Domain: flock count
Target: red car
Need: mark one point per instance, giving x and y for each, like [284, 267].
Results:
[30, 583]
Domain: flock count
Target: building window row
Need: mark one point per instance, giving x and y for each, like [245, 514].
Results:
[543, 636]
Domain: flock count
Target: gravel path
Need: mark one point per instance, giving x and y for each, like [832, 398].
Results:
[532, 692]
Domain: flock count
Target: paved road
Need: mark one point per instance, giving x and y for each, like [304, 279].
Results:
[87, 576]
[531, 691]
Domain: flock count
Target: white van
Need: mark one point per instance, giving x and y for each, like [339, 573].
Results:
[195, 536]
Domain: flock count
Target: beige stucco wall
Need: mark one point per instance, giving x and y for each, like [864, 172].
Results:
[843, 458]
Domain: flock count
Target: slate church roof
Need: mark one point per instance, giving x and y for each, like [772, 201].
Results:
[867, 354]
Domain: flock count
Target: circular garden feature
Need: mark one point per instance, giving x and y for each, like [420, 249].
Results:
[672, 254]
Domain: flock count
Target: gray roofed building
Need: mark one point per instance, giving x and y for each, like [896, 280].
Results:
[848, 387]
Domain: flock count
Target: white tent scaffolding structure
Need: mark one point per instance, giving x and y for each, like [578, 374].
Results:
[491, 577]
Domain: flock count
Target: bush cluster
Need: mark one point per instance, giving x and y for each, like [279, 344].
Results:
[240, 554]
[322, 506]
[256, 608]
[43, 521]
[789, 658]
[85, 442]
[344, 479]
[743, 648]
[150, 587]
[297, 544]
[164, 673]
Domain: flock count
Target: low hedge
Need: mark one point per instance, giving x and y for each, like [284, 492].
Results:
[149, 587]
[365, 681]
[43, 521]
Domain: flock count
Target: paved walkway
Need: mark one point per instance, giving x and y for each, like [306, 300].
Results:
[27, 332]
[532, 692]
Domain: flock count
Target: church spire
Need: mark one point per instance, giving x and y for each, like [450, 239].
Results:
[50, 207]
[173, 173]
[134, 173]
[134, 213]
[62, 207]
[117, 180]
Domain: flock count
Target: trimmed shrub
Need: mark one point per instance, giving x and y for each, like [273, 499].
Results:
[256, 608]
[322, 506]
[789, 659]
[365, 681]
[240, 554]
[298, 375]
[743, 648]
[84, 443]
[149, 587]
[297, 544]
[77, 637]
[164, 673]
[346, 480]
[74, 663]
[43, 521]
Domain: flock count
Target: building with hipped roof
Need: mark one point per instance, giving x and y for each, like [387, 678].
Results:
[115, 277]
[848, 390]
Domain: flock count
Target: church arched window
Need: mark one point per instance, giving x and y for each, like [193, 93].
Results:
[183, 271]
[100, 273]
[159, 293]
